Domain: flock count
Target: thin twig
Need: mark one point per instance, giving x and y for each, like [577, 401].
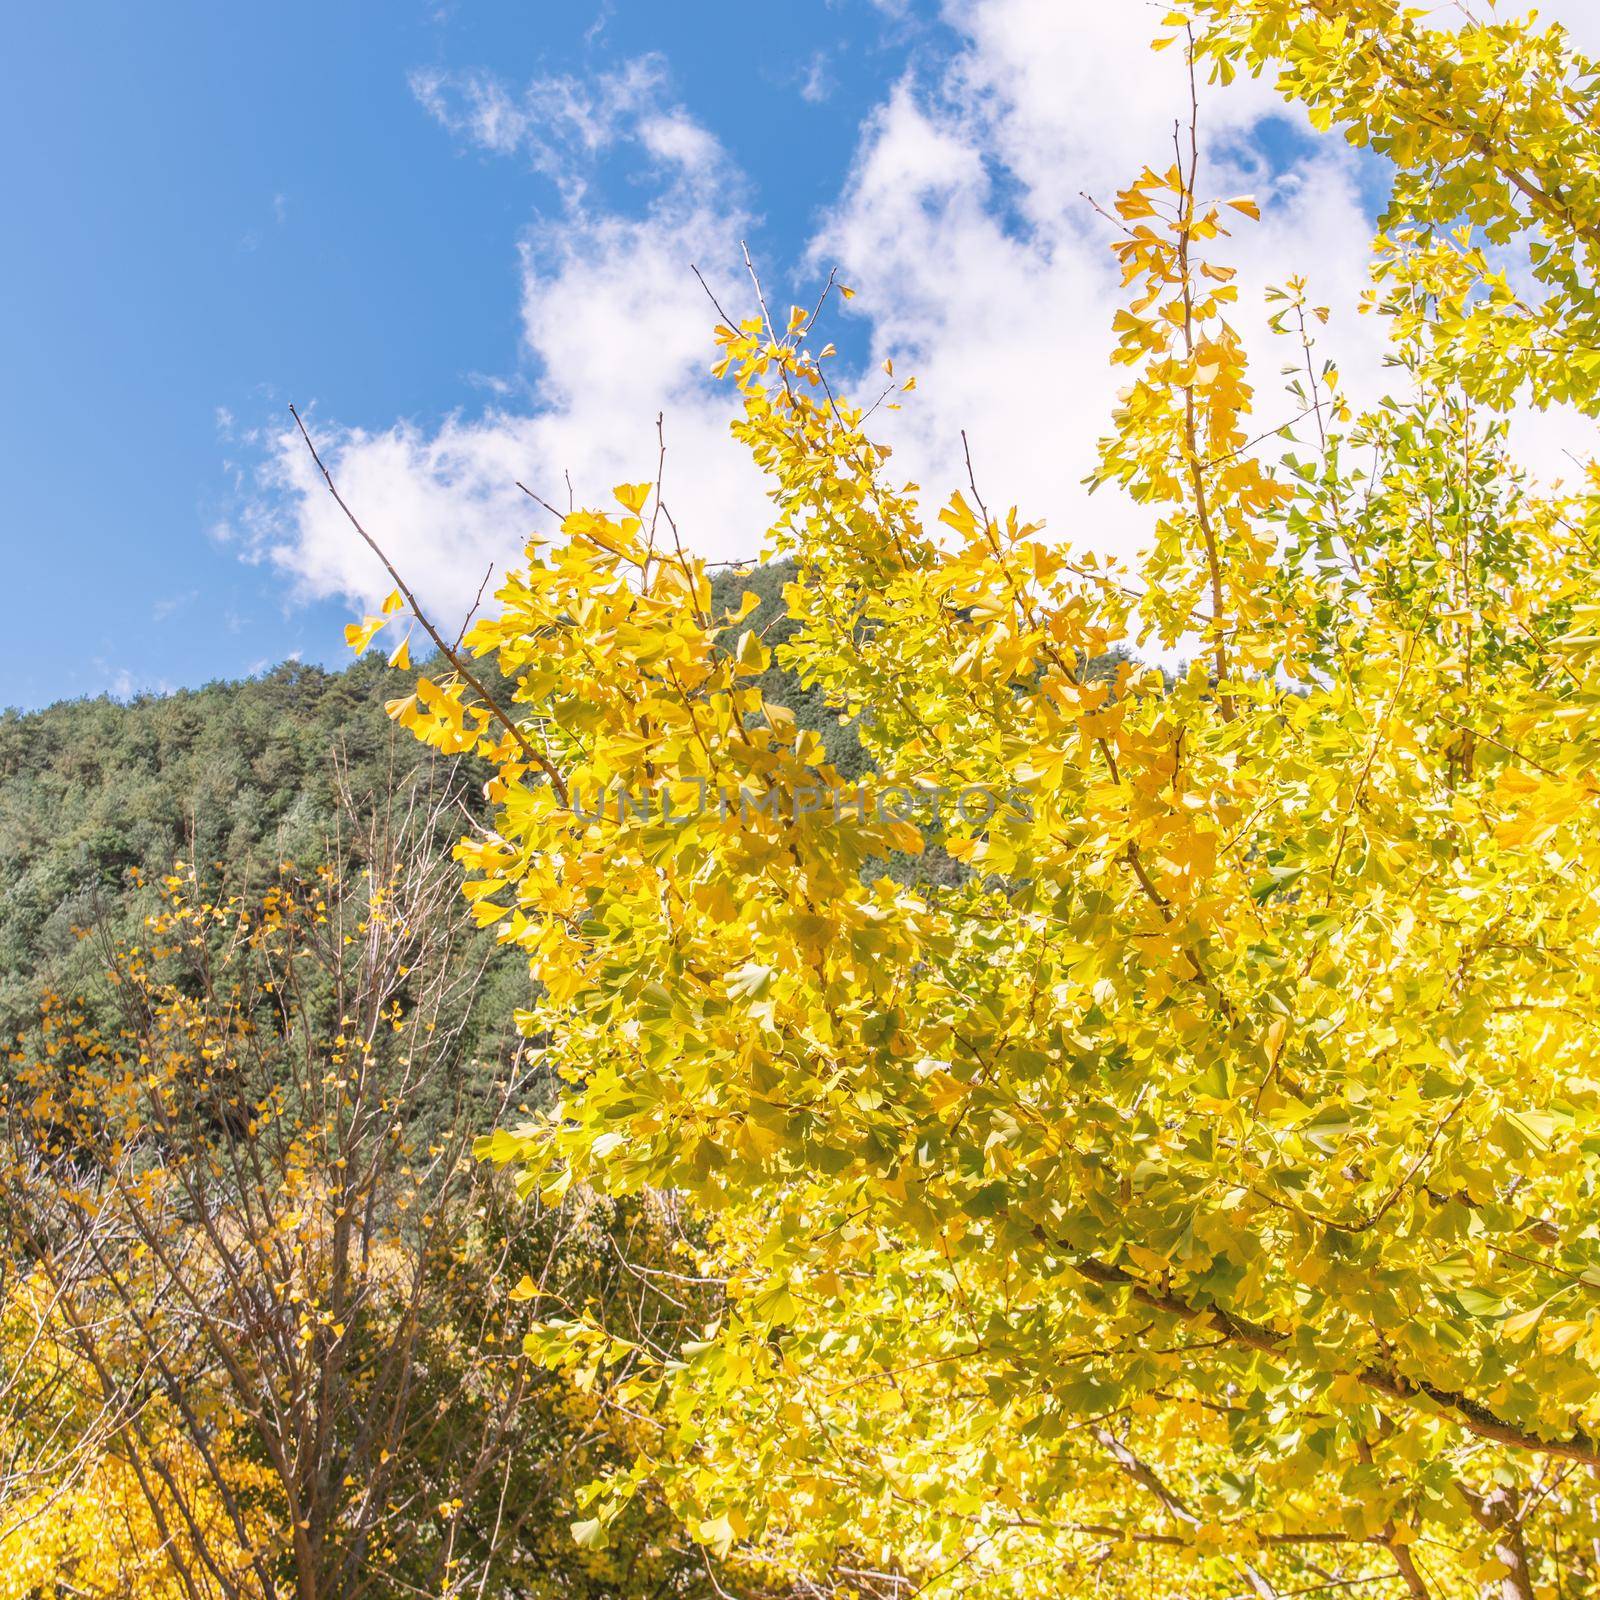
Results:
[466, 621]
[538, 759]
[540, 499]
[972, 481]
[728, 322]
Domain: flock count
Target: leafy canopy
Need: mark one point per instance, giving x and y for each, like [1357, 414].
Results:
[1196, 1194]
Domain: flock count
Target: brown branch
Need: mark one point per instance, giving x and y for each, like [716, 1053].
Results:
[728, 322]
[1497, 1511]
[540, 500]
[466, 621]
[1202, 503]
[1147, 1478]
[1470, 1413]
[536, 757]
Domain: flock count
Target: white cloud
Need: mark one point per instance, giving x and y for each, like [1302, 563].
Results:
[168, 606]
[979, 266]
[616, 330]
[983, 268]
[680, 141]
[815, 82]
[618, 326]
[555, 121]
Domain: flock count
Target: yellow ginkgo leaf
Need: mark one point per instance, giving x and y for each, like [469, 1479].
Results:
[632, 495]
[358, 635]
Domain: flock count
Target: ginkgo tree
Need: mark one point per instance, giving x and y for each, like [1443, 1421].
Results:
[1197, 1195]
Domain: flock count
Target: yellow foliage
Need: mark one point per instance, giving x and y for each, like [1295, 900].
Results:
[1194, 1194]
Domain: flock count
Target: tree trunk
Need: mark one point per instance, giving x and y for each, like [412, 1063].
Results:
[1497, 1511]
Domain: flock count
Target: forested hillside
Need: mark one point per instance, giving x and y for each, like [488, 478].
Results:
[98, 798]
[95, 794]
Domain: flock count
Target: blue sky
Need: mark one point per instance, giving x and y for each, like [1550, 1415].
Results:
[217, 209]
[459, 232]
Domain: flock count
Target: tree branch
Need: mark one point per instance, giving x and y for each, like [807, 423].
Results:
[536, 757]
[1471, 1414]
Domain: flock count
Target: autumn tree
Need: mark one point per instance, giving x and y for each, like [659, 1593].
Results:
[269, 1308]
[1196, 1195]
